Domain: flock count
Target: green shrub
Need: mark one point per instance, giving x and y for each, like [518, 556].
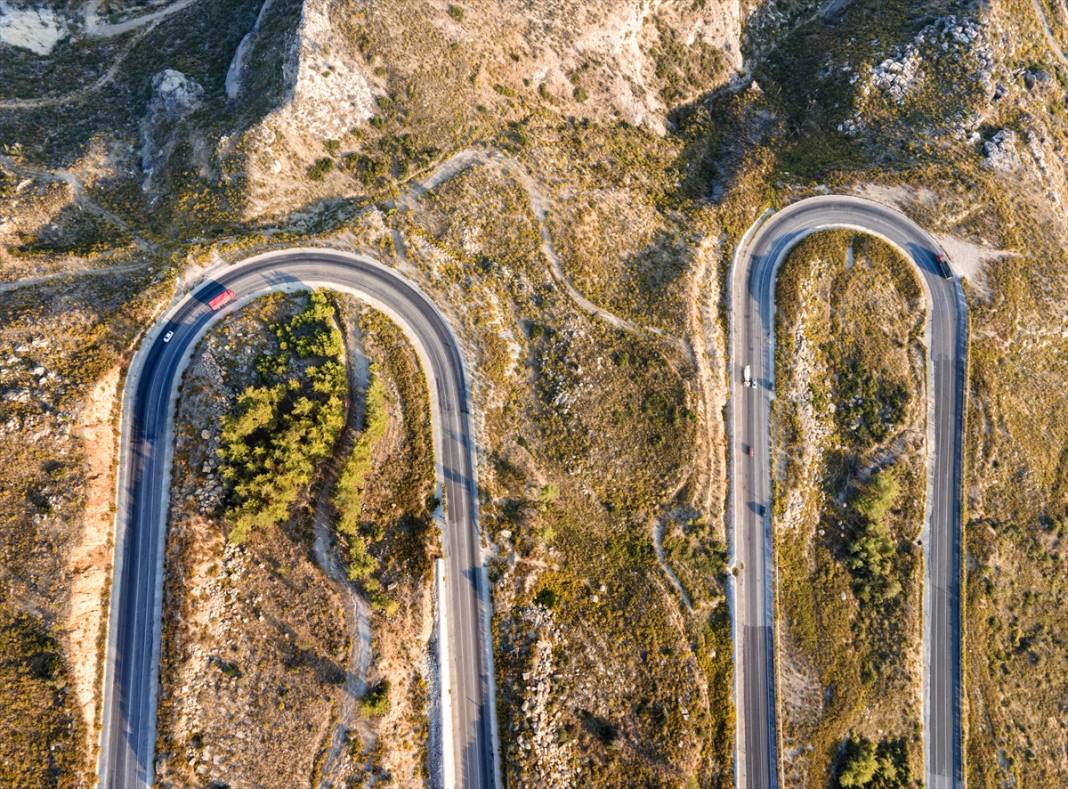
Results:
[873, 551]
[868, 407]
[456, 12]
[281, 430]
[320, 168]
[348, 496]
[376, 702]
[546, 597]
[865, 765]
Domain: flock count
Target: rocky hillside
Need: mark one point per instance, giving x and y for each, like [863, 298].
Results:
[567, 180]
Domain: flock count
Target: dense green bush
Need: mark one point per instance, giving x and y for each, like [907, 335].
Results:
[348, 498]
[865, 765]
[869, 407]
[284, 427]
[320, 168]
[872, 552]
[376, 702]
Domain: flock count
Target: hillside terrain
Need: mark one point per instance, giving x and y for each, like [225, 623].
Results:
[568, 182]
[850, 427]
[291, 696]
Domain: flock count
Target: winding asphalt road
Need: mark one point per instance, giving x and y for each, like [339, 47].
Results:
[752, 311]
[132, 668]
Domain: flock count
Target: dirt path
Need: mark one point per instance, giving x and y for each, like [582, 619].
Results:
[82, 92]
[1047, 31]
[94, 28]
[28, 282]
[357, 610]
[658, 545]
[143, 24]
[81, 199]
[85, 203]
[540, 205]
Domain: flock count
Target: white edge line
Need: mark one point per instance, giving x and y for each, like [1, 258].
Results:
[925, 533]
[739, 720]
[448, 768]
[132, 378]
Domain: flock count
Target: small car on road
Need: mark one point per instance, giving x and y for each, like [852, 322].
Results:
[167, 336]
[943, 266]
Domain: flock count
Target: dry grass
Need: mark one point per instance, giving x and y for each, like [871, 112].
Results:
[1017, 504]
[262, 708]
[837, 322]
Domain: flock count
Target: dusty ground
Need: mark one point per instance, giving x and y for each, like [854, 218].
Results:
[262, 709]
[841, 301]
[90, 558]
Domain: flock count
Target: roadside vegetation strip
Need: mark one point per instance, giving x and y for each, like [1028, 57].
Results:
[941, 708]
[847, 418]
[383, 497]
[286, 426]
[348, 496]
[357, 611]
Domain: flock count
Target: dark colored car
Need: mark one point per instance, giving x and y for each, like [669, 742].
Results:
[943, 266]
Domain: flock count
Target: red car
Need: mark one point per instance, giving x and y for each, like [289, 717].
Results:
[943, 266]
[749, 450]
[220, 299]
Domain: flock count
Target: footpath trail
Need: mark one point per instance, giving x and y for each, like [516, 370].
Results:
[357, 609]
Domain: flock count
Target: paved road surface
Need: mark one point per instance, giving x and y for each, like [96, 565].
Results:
[752, 334]
[131, 679]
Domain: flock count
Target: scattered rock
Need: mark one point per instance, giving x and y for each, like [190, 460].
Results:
[1000, 153]
[174, 97]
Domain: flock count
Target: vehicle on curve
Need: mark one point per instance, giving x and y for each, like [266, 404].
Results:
[219, 299]
[943, 266]
[167, 336]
